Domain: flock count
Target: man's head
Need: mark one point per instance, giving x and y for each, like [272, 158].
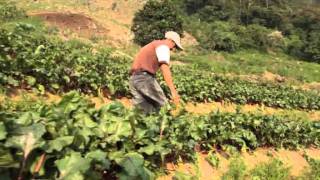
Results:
[175, 37]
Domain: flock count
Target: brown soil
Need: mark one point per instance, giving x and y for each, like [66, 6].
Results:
[179, 63]
[80, 24]
[205, 108]
[311, 86]
[292, 159]
[272, 77]
[109, 20]
[266, 77]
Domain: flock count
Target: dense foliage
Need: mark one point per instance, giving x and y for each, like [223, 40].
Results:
[156, 18]
[72, 139]
[9, 11]
[297, 25]
[31, 60]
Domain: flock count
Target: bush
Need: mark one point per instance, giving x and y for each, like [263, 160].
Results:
[307, 27]
[9, 11]
[273, 170]
[268, 17]
[255, 36]
[192, 6]
[219, 36]
[294, 45]
[214, 12]
[154, 20]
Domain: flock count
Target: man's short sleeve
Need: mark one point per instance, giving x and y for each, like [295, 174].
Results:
[163, 54]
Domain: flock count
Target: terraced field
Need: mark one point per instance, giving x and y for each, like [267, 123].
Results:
[65, 113]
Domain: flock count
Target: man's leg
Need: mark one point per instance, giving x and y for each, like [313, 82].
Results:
[147, 92]
[139, 100]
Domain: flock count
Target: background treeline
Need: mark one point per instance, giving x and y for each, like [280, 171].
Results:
[229, 25]
[288, 26]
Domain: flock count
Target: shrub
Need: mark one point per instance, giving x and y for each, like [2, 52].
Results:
[307, 26]
[276, 40]
[273, 170]
[214, 12]
[268, 17]
[255, 36]
[9, 11]
[294, 45]
[154, 20]
[219, 36]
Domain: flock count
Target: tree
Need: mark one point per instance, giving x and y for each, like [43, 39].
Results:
[156, 18]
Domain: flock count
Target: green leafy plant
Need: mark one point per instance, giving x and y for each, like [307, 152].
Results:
[74, 139]
[236, 171]
[9, 11]
[273, 170]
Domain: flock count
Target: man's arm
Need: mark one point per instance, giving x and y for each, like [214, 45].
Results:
[166, 73]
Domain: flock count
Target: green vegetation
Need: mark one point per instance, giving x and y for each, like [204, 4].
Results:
[279, 26]
[254, 62]
[74, 140]
[156, 18]
[9, 11]
[272, 170]
[314, 171]
[237, 169]
[31, 60]
[125, 143]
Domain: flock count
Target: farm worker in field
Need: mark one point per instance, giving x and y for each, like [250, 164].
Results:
[146, 91]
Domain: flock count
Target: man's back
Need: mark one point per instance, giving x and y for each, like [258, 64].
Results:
[146, 59]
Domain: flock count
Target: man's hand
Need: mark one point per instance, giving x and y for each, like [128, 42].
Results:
[165, 69]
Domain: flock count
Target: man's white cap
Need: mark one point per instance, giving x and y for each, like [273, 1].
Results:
[174, 37]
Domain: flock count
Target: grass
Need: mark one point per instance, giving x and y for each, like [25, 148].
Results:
[254, 62]
[272, 170]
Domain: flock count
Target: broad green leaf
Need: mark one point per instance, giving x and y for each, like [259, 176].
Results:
[27, 118]
[100, 157]
[85, 120]
[118, 130]
[12, 81]
[27, 138]
[6, 159]
[149, 150]
[31, 80]
[116, 155]
[133, 167]
[59, 143]
[39, 49]
[55, 86]
[41, 89]
[182, 176]
[3, 132]
[73, 166]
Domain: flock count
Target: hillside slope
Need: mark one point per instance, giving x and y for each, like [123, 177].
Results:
[93, 19]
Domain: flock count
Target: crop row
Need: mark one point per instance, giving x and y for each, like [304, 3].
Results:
[73, 139]
[29, 59]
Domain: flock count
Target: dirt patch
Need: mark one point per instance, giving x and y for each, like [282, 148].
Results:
[188, 40]
[206, 108]
[179, 63]
[292, 159]
[80, 24]
[268, 76]
[311, 86]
